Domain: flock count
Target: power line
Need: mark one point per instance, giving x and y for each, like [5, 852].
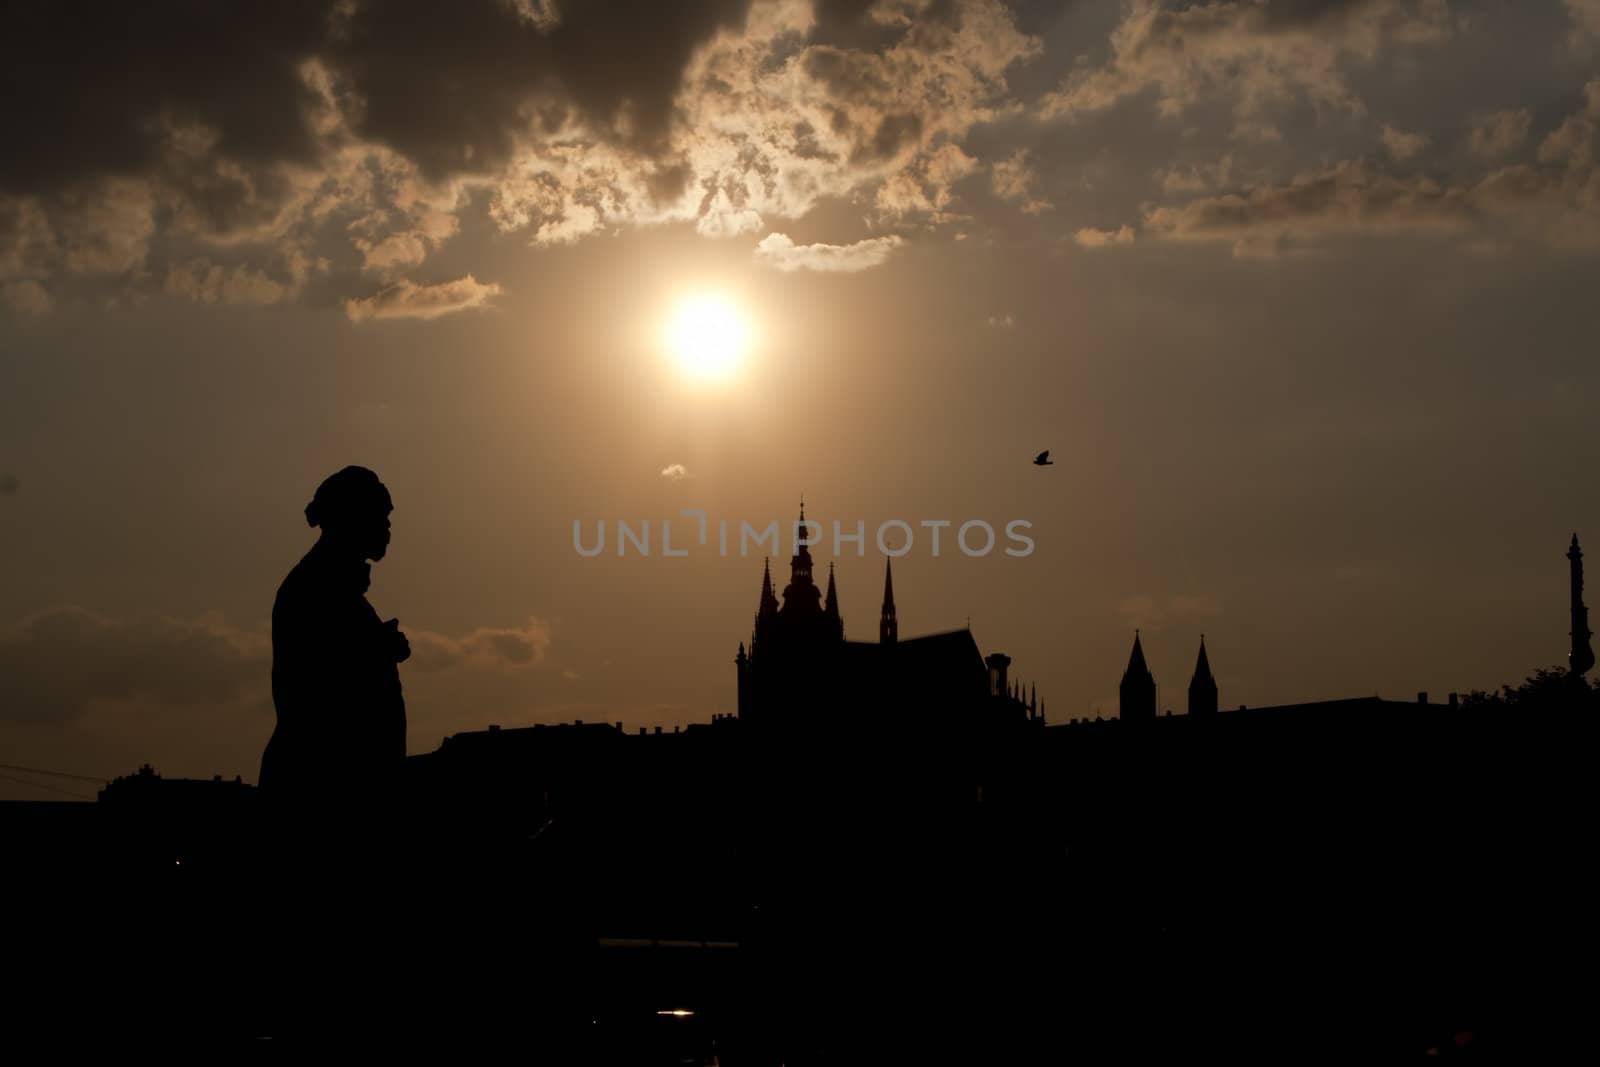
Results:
[41, 785]
[54, 774]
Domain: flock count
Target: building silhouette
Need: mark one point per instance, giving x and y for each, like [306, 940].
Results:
[1202, 687]
[800, 673]
[1581, 657]
[1138, 690]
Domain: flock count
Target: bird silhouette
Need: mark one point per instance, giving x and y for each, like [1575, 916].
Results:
[1043, 459]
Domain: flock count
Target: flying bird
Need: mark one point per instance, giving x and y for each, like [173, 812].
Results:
[1043, 459]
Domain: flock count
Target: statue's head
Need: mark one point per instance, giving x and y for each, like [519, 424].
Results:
[352, 508]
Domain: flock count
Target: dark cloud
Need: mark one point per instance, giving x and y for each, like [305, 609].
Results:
[1559, 208]
[59, 664]
[455, 90]
[252, 157]
[1274, 13]
[90, 88]
[96, 89]
[55, 665]
[1264, 56]
[8, 484]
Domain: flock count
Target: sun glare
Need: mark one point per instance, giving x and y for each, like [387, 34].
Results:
[708, 336]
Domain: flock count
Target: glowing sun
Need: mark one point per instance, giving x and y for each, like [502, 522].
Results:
[708, 336]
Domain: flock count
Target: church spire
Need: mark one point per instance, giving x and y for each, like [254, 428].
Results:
[830, 605]
[769, 601]
[1138, 690]
[888, 626]
[1581, 658]
[800, 564]
[1202, 687]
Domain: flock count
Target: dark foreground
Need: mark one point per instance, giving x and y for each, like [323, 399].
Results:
[1406, 890]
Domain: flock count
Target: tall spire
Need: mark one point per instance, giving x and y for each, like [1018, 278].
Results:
[769, 602]
[800, 564]
[1138, 690]
[1202, 687]
[1581, 657]
[888, 625]
[830, 606]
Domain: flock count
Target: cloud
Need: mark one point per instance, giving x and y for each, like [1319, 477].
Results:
[1091, 238]
[1575, 142]
[1197, 178]
[1585, 16]
[358, 136]
[1401, 145]
[57, 664]
[1559, 208]
[778, 251]
[1261, 57]
[25, 297]
[61, 663]
[205, 282]
[926, 188]
[675, 472]
[486, 648]
[1015, 179]
[8, 484]
[407, 300]
[1499, 133]
[1002, 322]
[1151, 613]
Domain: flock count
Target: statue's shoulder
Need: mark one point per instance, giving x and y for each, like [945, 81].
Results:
[302, 587]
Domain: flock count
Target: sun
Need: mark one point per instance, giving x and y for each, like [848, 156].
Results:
[708, 336]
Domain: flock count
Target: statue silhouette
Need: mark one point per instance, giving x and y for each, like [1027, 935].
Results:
[341, 730]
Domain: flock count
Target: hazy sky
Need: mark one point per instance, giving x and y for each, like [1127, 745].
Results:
[1300, 295]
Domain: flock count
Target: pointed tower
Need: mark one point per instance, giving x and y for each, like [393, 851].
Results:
[769, 600]
[741, 664]
[802, 600]
[1202, 687]
[1138, 687]
[830, 608]
[762, 632]
[1581, 658]
[888, 626]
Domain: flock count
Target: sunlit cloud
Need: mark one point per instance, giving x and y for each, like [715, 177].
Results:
[496, 648]
[1014, 179]
[1092, 238]
[205, 282]
[407, 300]
[1401, 145]
[779, 251]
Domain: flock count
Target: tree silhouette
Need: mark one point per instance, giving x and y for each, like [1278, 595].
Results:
[1546, 689]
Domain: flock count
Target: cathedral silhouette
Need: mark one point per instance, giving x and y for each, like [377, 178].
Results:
[800, 672]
